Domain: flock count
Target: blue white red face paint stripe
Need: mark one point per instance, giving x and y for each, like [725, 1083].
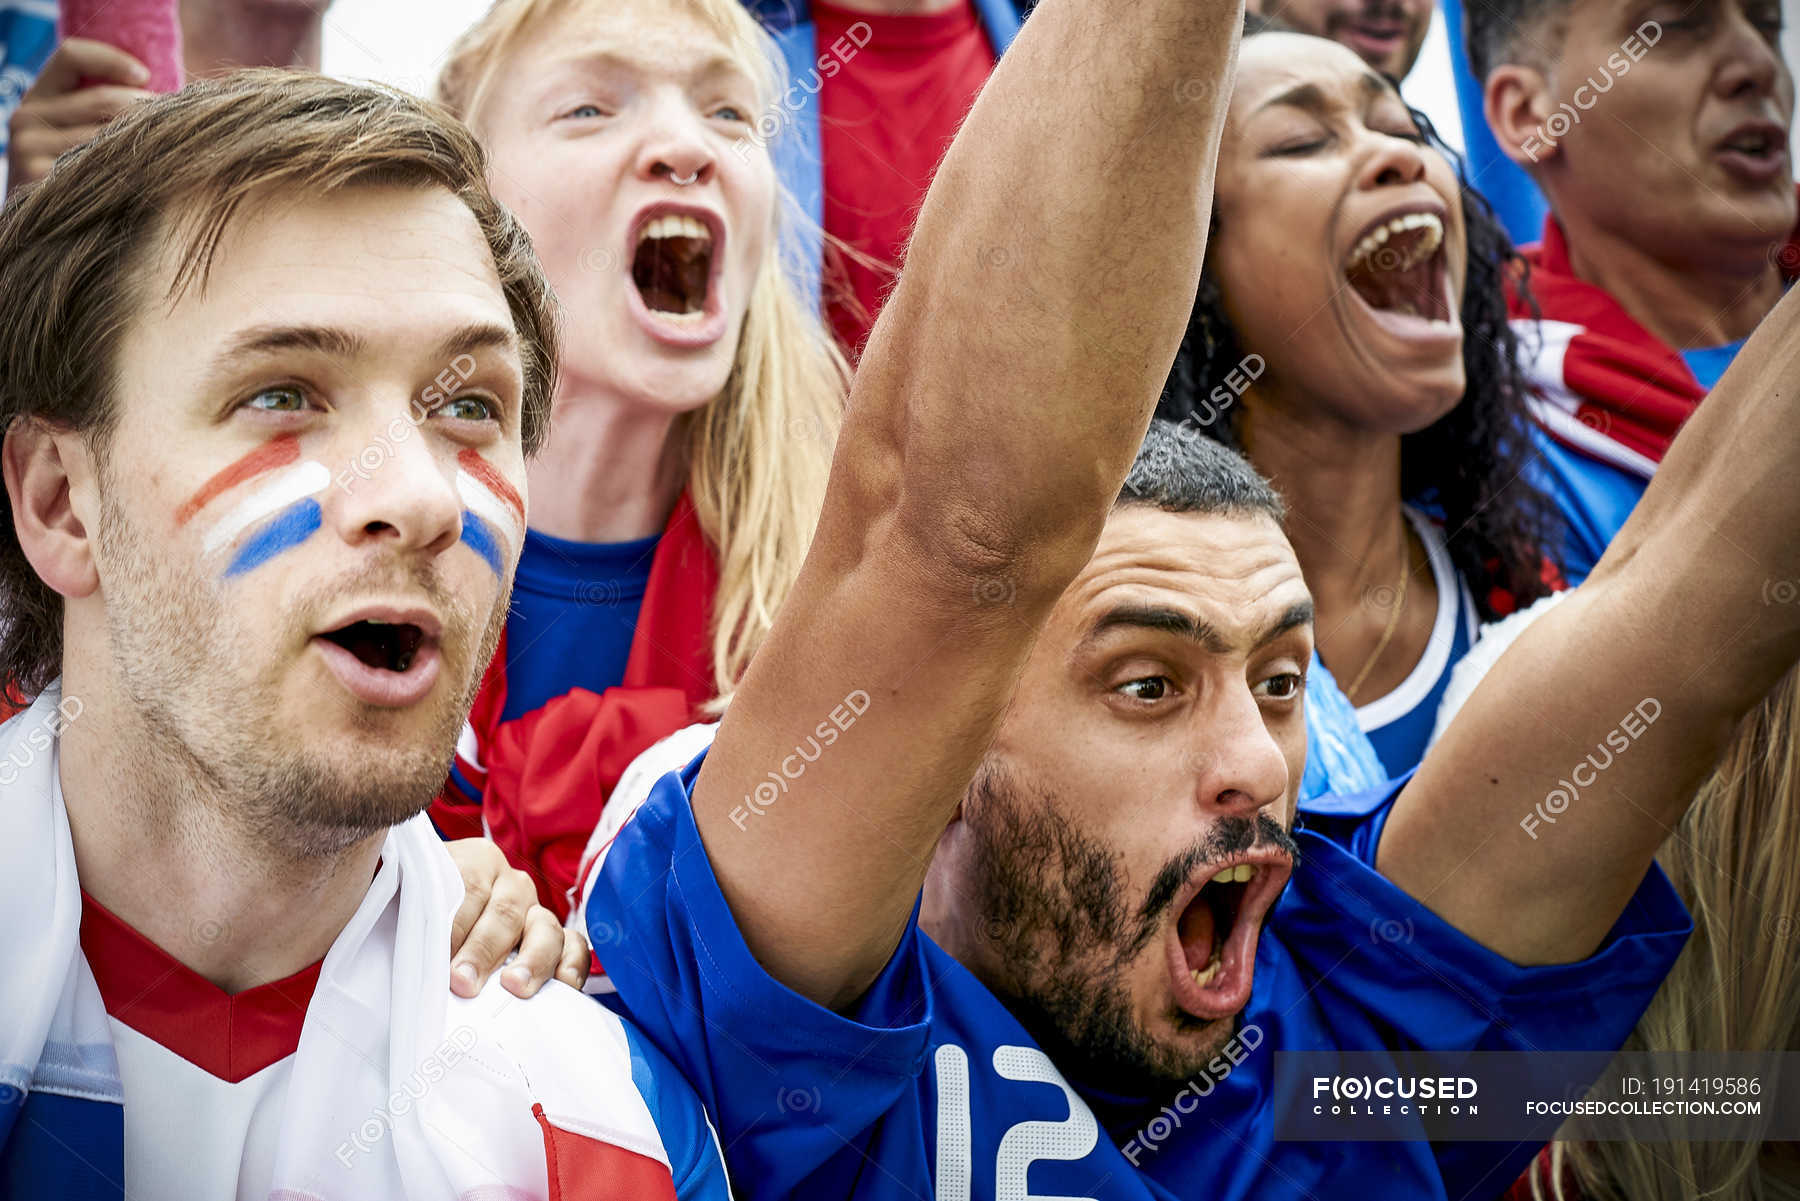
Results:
[492, 509]
[283, 510]
[280, 514]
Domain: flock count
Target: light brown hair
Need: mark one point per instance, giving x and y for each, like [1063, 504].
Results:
[75, 250]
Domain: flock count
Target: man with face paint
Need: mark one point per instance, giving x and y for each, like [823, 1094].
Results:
[974, 880]
[1684, 109]
[257, 553]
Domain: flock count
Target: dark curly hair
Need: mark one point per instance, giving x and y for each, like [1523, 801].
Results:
[1469, 464]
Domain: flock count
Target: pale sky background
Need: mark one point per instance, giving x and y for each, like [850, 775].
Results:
[402, 42]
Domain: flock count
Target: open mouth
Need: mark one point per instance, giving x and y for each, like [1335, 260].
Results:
[389, 658]
[672, 266]
[1756, 152]
[1757, 142]
[1208, 920]
[1213, 956]
[1398, 267]
[382, 645]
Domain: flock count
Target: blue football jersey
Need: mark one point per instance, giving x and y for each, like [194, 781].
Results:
[928, 1088]
[1593, 497]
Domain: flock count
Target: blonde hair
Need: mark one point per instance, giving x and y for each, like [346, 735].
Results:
[1733, 989]
[758, 454]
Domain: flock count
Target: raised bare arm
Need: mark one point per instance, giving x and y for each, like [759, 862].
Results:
[1536, 814]
[1002, 396]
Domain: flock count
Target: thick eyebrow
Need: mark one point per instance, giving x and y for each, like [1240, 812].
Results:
[479, 335]
[347, 344]
[1164, 620]
[1300, 613]
[1311, 97]
[271, 339]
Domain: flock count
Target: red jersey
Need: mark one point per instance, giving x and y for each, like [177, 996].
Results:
[885, 119]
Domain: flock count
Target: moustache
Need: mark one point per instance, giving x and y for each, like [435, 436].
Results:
[1229, 836]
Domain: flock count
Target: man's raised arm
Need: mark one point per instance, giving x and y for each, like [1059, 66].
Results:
[1003, 393]
[1537, 813]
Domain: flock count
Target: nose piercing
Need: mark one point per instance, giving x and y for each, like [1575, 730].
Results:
[680, 182]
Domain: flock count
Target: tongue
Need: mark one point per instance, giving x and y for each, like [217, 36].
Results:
[1408, 291]
[1197, 933]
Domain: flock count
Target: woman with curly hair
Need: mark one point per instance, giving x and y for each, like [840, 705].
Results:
[1350, 336]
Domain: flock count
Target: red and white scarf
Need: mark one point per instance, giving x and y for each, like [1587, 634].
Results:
[545, 776]
[1602, 383]
[537, 1102]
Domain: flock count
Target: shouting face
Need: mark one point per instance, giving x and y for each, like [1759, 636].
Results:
[1121, 847]
[620, 135]
[1340, 251]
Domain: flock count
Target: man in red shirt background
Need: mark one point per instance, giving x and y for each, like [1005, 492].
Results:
[877, 88]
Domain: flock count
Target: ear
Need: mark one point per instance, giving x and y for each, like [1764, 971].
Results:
[1517, 102]
[50, 483]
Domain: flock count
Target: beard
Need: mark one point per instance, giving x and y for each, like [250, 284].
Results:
[203, 678]
[1054, 910]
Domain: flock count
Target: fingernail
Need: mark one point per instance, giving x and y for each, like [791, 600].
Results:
[465, 975]
[140, 73]
[518, 976]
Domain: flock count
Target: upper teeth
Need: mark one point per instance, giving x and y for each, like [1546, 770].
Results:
[1421, 250]
[674, 226]
[1234, 875]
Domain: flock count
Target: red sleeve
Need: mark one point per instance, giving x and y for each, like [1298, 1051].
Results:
[549, 774]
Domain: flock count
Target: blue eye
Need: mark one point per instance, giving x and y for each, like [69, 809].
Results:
[280, 400]
[583, 111]
[730, 112]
